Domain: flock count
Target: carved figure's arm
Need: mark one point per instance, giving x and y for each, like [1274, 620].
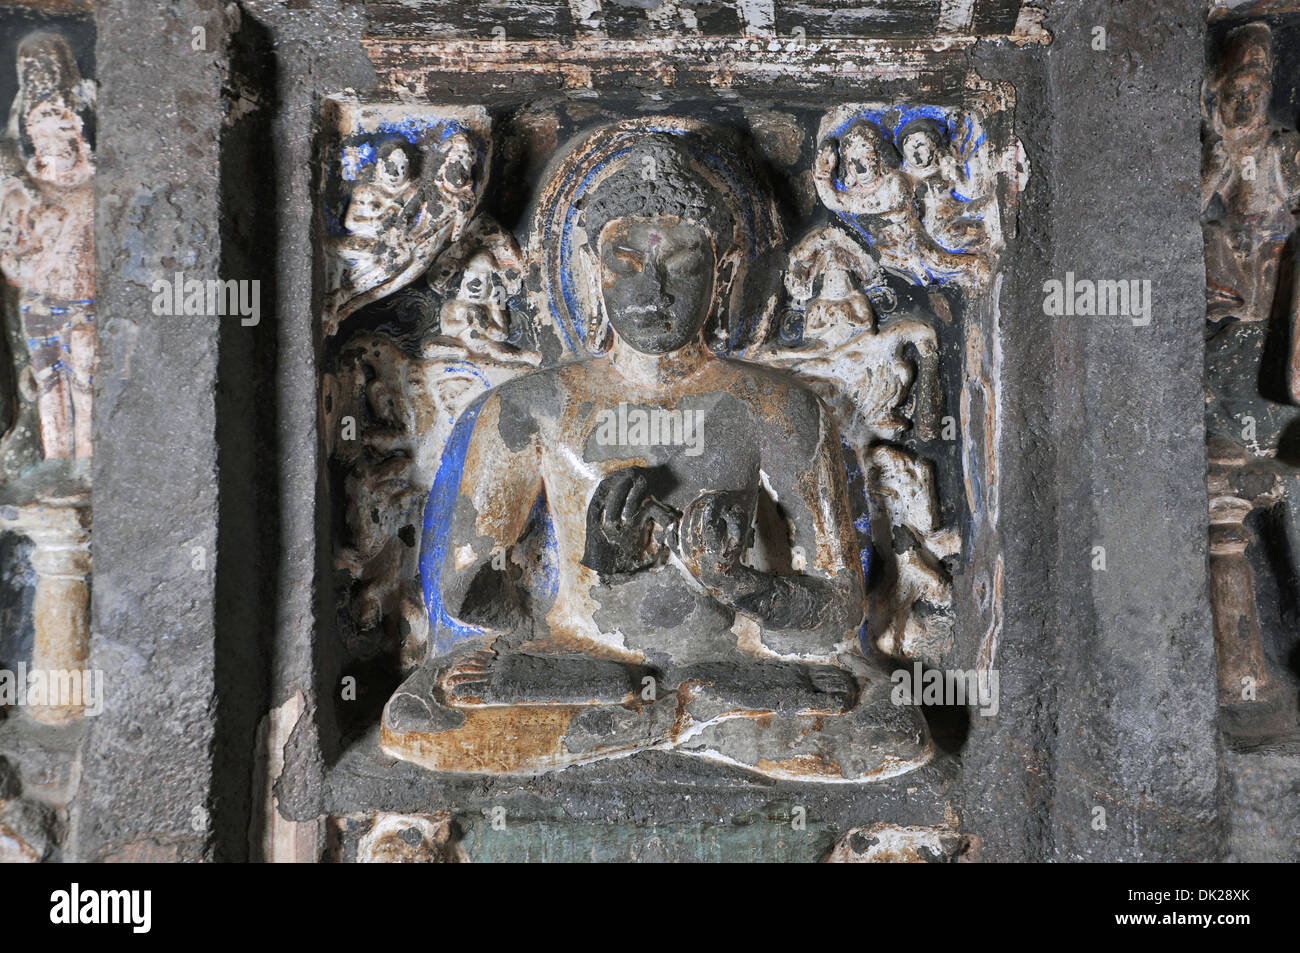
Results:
[820, 604]
[501, 479]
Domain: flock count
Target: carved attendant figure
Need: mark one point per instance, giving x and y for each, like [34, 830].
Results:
[949, 216]
[47, 242]
[879, 196]
[398, 223]
[670, 623]
[866, 375]
[1250, 181]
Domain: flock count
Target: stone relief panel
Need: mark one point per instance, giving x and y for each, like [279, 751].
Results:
[654, 466]
[1250, 196]
[48, 264]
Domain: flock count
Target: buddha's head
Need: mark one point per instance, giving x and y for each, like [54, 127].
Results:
[659, 232]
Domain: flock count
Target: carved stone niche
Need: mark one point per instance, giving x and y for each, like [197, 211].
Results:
[663, 427]
[1250, 195]
[48, 351]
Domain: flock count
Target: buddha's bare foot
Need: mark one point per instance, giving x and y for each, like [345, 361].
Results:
[710, 689]
[415, 706]
[871, 740]
[488, 677]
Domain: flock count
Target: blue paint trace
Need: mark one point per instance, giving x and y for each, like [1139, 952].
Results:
[445, 631]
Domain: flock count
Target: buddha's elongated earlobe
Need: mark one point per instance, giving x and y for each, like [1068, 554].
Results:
[728, 282]
[598, 335]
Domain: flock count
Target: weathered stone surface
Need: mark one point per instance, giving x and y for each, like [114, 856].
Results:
[158, 212]
[1263, 805]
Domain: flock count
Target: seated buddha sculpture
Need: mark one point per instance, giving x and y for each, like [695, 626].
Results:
[707, 594]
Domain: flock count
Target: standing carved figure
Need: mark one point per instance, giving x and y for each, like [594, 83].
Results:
[47, 240]
[1250, 183]
[1249, 199]
[867, 375]
[47, 254]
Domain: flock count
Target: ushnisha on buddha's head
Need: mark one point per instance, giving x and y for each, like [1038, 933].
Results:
[658, 234]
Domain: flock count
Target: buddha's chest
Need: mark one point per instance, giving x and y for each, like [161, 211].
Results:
[686, 446]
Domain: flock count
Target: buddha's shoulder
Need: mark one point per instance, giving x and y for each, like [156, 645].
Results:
[539, 391]
[773, 391]
[763, 380]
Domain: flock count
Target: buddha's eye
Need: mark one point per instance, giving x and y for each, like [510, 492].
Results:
[687, 261]
[625, 261]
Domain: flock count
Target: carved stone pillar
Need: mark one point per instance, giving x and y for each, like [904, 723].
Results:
[1243, 672]
[57, 522]
[1232, 585]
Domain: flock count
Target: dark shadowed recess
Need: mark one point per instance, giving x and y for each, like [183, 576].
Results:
[247, 538]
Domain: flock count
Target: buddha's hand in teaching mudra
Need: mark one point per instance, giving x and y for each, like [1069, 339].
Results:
[628, 528]
[713, 534]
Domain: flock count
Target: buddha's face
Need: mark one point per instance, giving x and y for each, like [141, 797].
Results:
[657, 278]
[1242, 101]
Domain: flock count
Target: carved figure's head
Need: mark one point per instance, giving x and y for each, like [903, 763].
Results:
[476, 282]
[862, 153]
[456, 173]
[366, 213]
[660, 230]
[839, 312]
[1246, 77]
[922, 141]
[392, 167]
[60, 154]
[479, 303]
[50, 93]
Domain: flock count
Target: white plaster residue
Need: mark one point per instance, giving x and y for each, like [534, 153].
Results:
[585, 13]
[956, 16]
[759, 16]
[273, 837]
[889, 843]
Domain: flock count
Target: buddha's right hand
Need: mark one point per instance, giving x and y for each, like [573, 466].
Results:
[627, 528]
